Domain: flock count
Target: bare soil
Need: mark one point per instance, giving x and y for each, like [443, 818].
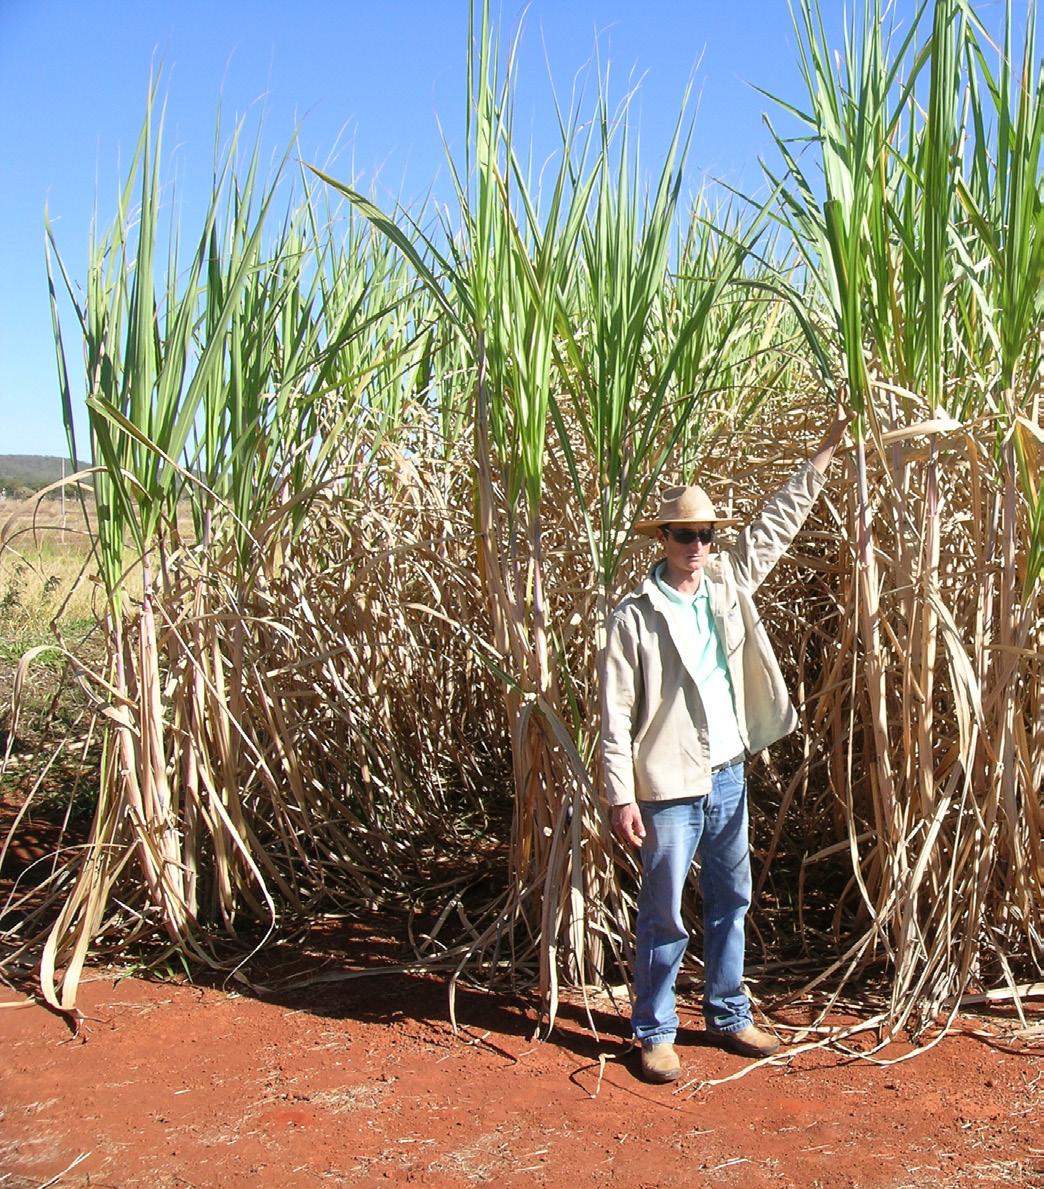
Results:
[363, 1082]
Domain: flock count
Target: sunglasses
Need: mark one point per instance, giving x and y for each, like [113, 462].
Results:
[686, 536]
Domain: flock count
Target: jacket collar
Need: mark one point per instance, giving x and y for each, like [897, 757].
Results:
[712, 572]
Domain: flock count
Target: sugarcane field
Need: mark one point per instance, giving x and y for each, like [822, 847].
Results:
[347, 711]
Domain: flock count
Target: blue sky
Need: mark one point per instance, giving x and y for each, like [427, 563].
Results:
[370, 82]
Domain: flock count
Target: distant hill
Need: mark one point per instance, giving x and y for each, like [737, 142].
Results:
[21, 475]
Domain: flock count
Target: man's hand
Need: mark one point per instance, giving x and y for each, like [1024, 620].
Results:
[626, 823]
[843, 415]
[835, 434]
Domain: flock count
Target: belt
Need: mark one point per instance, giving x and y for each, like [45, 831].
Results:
[728, 763]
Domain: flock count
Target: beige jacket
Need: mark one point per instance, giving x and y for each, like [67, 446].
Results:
[654, 730]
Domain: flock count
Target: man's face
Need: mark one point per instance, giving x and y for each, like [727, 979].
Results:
[689, 554]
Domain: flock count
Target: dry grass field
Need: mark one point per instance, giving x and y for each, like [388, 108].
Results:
[46, 571]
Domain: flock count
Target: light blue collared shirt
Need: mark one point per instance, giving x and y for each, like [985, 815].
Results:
[697, 633]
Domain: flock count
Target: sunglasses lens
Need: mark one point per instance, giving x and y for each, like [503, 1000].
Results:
[686, 536]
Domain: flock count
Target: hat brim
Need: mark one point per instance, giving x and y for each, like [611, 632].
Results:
[651, 528]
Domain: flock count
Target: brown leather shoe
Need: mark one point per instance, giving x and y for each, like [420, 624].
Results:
[660, 1063]
[748, 1042]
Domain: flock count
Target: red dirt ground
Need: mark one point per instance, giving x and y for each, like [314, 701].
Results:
[364, 1083]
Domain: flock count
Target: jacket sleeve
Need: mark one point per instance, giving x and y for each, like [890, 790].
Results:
[621, 693]
[764, 541]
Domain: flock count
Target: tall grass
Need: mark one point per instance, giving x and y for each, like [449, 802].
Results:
[898, 250]
[413, 453]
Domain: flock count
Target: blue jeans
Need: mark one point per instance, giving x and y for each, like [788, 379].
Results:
[715, 827]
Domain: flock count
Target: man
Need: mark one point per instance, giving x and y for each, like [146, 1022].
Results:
[690, 687]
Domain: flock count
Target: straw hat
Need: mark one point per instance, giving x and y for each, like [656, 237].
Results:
[684, 505]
